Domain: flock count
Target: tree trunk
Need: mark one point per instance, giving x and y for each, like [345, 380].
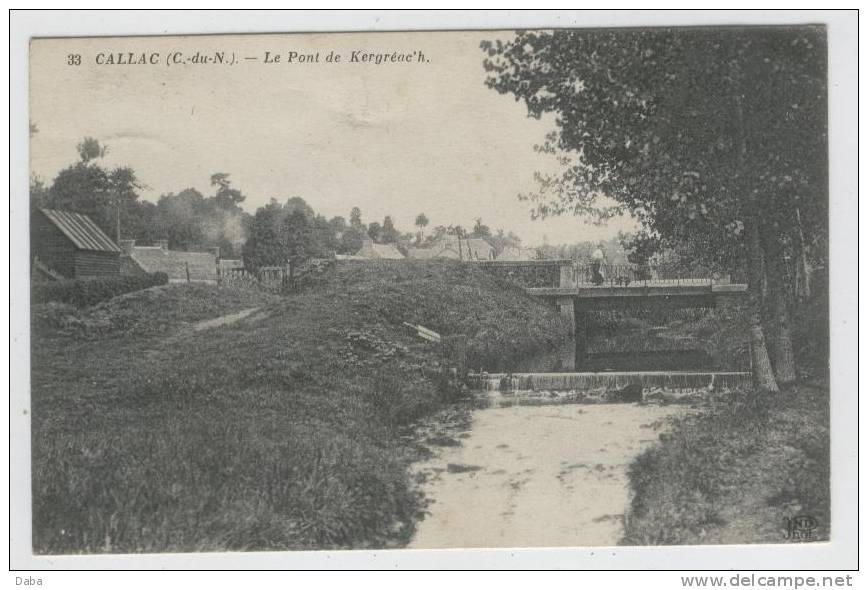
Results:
[763, 376]
[782, 346]
[783, 360]
[804, 282]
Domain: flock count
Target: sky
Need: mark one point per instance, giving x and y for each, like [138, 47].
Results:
[392, 139]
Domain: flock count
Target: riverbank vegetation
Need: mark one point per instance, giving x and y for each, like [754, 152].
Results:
[280, 430]
[735, 471]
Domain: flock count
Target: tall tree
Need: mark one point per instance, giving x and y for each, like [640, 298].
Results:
[180, 218]
[266, 243]
[421, 223]
[90, 149]
[110, 197]
[298, 240]
[226, 197]
[356, 217]
[389, 233]
[39, 194]
[706, 136]
[501, 240]
[299, 204]
[355, 234]
[375, 231]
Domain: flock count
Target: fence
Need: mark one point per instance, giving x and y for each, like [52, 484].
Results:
[275, 278]
[527, 274]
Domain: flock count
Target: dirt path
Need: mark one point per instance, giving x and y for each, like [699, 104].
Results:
[223, 320]
[539, 476]
[166, 344]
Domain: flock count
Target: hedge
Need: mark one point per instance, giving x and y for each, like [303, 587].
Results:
[85, 292]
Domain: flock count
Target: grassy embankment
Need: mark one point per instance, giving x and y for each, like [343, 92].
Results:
[281, 430]
[735, 470]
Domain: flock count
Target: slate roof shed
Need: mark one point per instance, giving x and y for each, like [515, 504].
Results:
[71, 245]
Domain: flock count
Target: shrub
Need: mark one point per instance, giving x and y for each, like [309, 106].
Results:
[85, 292]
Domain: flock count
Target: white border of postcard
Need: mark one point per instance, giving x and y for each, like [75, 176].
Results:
[839, 553]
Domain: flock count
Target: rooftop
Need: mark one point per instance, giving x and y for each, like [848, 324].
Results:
[81, 230]
[201, 265]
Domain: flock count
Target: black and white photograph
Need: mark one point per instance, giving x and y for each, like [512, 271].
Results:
[503, 288]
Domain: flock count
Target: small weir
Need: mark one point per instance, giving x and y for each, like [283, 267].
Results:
[609, 381]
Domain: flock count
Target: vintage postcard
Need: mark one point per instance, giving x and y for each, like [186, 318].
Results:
[546, 288]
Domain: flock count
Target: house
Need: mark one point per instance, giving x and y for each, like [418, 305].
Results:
[456, 248]
[517, 253]
[477, 249]
[181, 267]
[373, 251]
[70, 245]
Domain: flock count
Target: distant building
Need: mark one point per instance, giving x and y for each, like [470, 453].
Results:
[517, 253]
[229, 263]
[181, 267]
[70, 245]
[477, 249]
[373, 251]
[451, 246]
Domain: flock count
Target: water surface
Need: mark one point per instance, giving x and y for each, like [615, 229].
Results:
[536, 476]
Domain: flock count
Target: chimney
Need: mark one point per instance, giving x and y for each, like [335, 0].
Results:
[127, 246]
[162, 244]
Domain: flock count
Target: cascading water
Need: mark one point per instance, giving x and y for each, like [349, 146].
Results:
[609, 381]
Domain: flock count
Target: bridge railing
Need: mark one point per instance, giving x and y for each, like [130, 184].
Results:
[625, 275]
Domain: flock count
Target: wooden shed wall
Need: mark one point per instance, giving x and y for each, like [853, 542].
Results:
[52, 247]
[59, 254]
[96, 264]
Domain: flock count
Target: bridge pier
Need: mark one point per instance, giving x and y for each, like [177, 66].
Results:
[577, 318]
[580, 337]
[566, 306]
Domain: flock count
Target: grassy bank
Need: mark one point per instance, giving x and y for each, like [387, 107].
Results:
[733, 472]
[280, 430]
[737, 468]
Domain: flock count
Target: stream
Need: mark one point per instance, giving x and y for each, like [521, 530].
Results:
[536, 476]
[536, 467]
